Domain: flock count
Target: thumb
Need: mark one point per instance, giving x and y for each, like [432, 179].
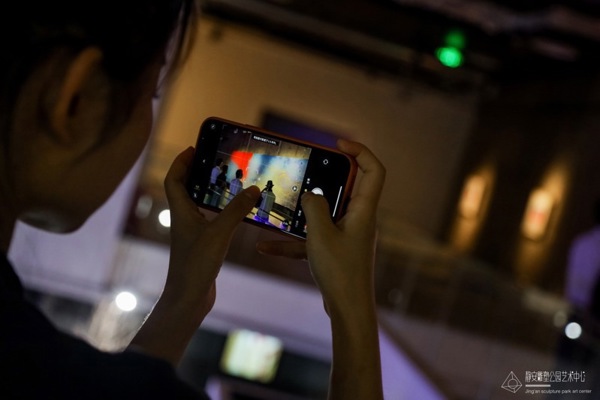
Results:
[237, 209]
[318, 217]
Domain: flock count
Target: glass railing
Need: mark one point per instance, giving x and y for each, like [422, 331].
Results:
[476, 334]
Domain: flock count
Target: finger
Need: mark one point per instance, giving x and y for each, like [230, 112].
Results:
[177, 195]
[237, 209]
[281, 248]
[318, 217]
[370, 186]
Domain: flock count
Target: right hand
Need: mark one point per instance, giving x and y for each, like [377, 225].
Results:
[341, 255]
[341, 258]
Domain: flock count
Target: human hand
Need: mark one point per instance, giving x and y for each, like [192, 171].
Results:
[341, 255]
[198, 246]
[341, 259]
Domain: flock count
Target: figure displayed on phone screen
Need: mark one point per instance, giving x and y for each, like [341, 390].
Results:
[266, 204]
[236, 185]
[212, 195]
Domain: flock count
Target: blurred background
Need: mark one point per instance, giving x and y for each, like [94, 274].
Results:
[486, 115]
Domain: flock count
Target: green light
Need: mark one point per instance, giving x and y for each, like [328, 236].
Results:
[451, 57]
[456, 39]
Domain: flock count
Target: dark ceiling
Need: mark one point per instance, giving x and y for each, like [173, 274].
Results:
[504, 38]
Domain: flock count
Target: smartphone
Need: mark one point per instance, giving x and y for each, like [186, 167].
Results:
[231, 156]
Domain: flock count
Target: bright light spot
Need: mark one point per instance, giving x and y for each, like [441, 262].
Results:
[451, 57]
[165, 218]
[573, 330]
[126, 301]
[537, 214]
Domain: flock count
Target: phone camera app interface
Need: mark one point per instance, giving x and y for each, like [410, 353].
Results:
[245, 158]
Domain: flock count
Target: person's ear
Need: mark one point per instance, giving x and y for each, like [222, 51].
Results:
[77, 79]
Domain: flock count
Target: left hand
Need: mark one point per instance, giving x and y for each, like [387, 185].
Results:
[198, 246]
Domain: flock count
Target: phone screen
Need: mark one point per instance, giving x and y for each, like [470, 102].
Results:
[230, 157]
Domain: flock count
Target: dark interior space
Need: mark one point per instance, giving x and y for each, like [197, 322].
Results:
[465, 295]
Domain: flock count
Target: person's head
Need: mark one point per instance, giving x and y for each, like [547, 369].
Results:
[239, 174]
[269, 186]
[225, 169]
[76, 84]
[218, 162]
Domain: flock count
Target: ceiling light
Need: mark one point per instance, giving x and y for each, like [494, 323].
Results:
[126, 301]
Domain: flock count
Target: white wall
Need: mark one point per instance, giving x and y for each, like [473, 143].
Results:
[418, 133]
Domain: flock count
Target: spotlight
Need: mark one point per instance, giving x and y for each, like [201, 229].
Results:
[164, 217]
[573, 330]
[126, 301]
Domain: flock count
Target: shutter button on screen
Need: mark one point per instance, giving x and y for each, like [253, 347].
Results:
[318, 191]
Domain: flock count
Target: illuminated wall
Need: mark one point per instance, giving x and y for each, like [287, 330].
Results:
[418, 132]
[534, 148]
[472, 207]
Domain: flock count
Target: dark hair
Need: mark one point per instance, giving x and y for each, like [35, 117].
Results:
[130, 33]
[239, 173]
